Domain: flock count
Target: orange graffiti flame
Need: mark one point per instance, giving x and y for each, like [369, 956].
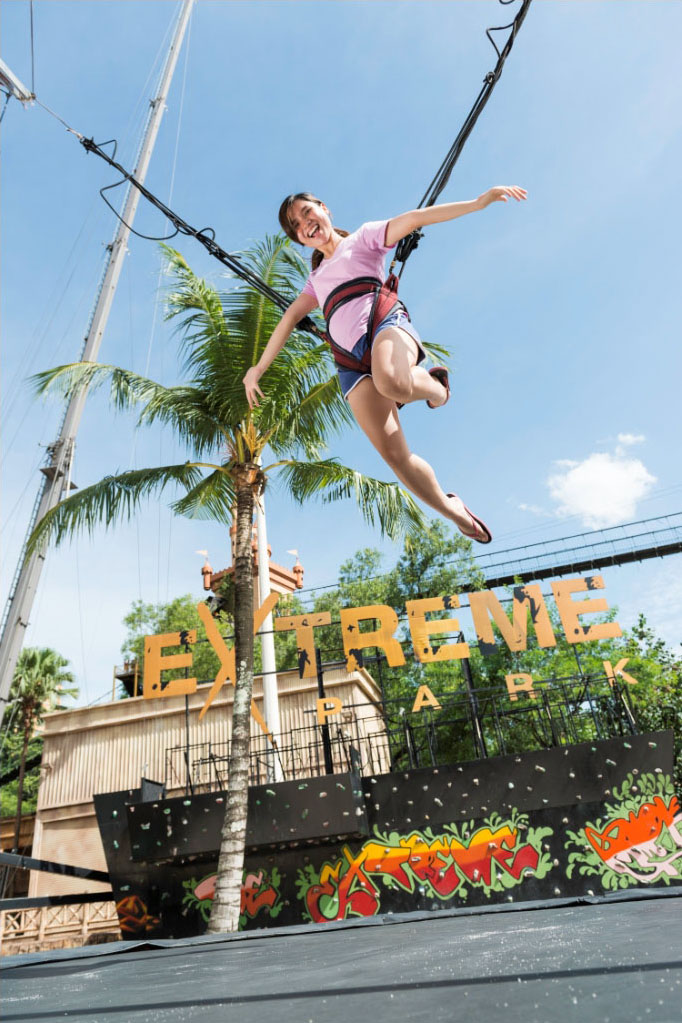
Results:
[625, 832]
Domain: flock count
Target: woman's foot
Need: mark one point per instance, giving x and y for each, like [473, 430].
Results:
[468, 524]
[440, 374]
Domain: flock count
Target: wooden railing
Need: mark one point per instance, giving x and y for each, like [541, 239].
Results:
[32, 929]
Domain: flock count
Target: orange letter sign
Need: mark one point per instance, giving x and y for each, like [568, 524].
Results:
[354, 641]
[421, 629]
[227, 665]
[304, 625]
[155, 662]
[484, 603]
[612, 673]
[570, 610]
[424, 698]
[521, 683]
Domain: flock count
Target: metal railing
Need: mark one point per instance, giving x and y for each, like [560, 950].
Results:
[377, 739]
[600, 548]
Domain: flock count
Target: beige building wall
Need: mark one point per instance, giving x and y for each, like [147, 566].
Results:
[109, 747]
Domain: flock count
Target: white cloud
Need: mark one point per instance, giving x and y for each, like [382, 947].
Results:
[603, 489]
[628, 439]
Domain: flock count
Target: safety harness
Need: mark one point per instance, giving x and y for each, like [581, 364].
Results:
[385, 301]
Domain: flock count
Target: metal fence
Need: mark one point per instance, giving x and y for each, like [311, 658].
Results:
[465, 726]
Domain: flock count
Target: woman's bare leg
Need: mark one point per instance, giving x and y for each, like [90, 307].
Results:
[395, 371]
[378, 418]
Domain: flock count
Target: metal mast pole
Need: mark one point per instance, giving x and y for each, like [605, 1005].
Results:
[57, 470]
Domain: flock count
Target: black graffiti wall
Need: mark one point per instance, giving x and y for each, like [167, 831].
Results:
[579, 820]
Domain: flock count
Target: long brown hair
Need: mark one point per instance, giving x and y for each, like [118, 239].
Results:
[285, 223]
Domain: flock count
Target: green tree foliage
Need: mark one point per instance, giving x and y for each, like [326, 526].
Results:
[10, 760]
[40, 682]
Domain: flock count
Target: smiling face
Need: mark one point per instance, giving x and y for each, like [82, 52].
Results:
[310, 222]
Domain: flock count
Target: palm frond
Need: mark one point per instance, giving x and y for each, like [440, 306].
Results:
[212, 498]
[185, 408]
[193, 414]
[112, 499]
[196, 302]
[309, 421]
[439, 353]
[221, 357]
[383, 504]
[127, 388]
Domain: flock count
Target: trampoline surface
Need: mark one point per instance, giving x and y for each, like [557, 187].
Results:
[614, 960]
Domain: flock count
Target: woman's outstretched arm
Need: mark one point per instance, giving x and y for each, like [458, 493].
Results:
[405, 223]
[299, 308]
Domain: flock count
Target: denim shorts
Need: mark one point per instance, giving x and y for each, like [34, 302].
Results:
[349, 378]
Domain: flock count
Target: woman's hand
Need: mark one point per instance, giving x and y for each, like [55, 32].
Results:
[500, 193]
[251, 387]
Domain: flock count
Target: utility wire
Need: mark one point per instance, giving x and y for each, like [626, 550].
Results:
[33, 60]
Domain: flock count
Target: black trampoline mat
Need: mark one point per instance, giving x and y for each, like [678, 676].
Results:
[612, 961]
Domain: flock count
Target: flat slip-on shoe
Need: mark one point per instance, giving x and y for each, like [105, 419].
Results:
[441, 374]
[488, 536]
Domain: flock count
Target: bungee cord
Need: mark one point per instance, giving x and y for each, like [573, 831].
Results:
[206, 235]
[408, 244]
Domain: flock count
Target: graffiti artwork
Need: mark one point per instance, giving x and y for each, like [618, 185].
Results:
[133, 917]
[639, 841]
[492, 857]
[260, 891]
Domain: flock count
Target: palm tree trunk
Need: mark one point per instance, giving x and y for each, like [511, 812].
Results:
[227, 902]
[20, 786]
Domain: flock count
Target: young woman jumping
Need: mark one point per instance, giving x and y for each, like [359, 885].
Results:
[379, 363]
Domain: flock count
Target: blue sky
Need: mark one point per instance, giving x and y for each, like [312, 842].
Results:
[562, 315]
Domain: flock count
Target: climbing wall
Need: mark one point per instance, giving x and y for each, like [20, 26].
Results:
[580, 820]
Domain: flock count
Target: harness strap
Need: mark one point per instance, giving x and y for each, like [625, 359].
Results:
[385, 301]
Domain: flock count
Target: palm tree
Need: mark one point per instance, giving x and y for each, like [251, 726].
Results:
[222, 335]
[38, 683]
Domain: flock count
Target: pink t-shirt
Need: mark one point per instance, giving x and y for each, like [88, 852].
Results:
[361, 254]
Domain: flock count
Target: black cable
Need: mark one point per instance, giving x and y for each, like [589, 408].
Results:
[206, 236]
[408, 244]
